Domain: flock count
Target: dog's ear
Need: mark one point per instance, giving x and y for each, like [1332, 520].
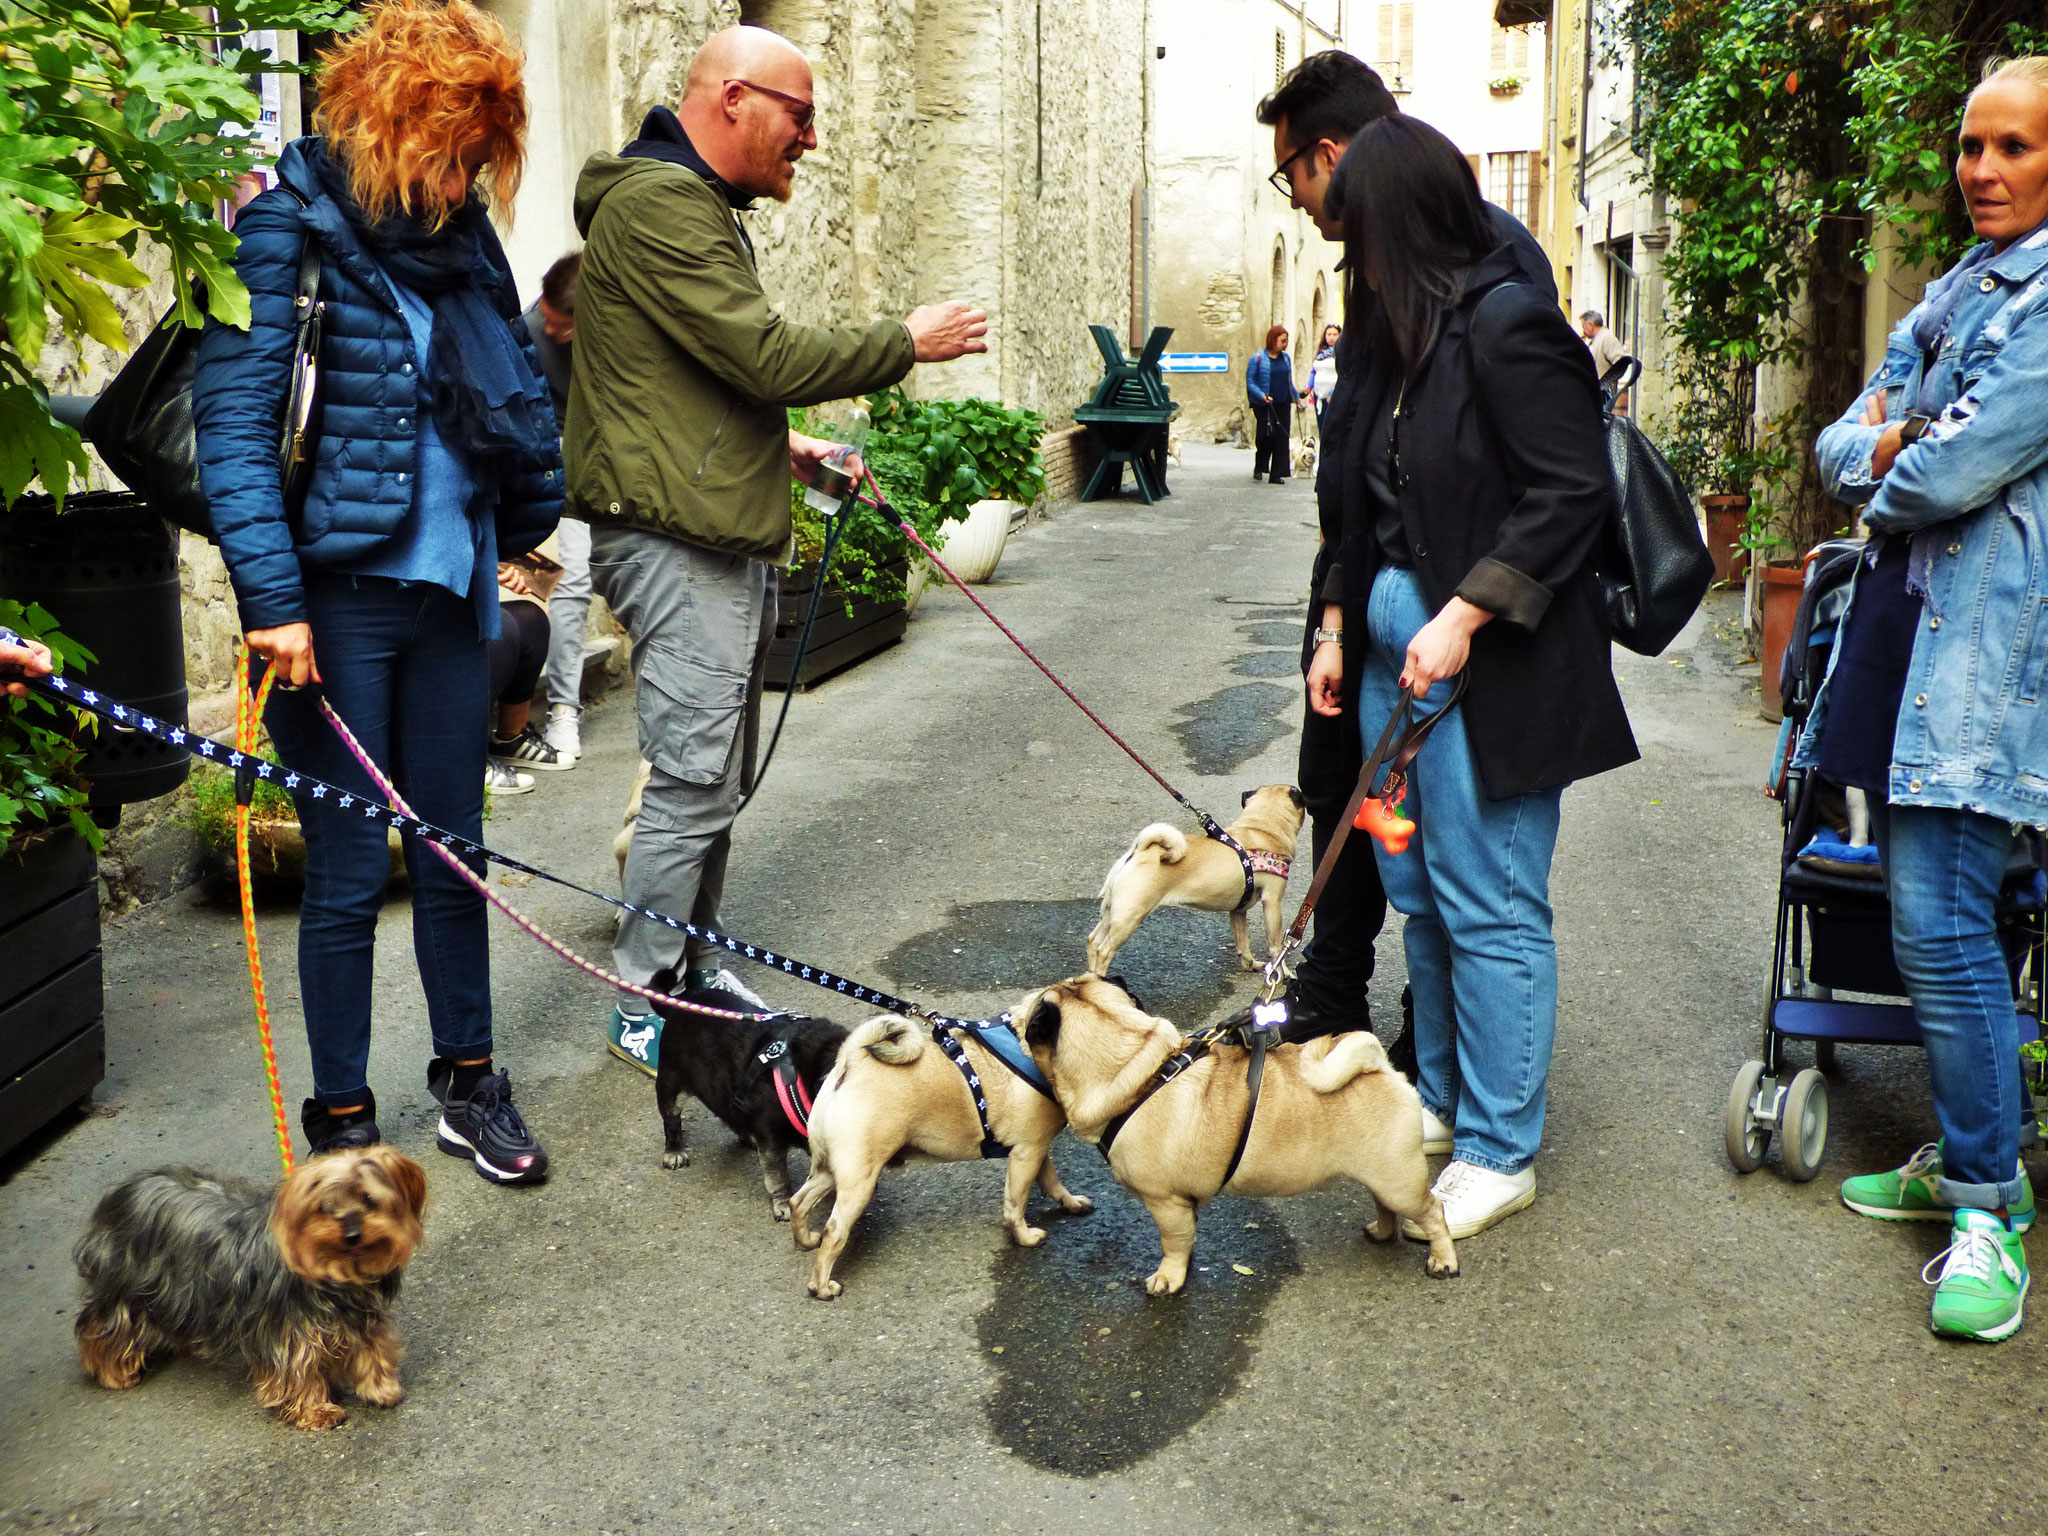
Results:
[1299, 800]
[1042, 1023]
[407, 1177]
[1246, 798]
[1128, 991]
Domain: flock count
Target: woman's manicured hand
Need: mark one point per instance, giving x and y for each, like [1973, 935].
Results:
[1889, 442]
[289, 649]
[1443, 645]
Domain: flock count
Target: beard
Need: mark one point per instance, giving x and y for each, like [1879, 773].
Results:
[770, 173]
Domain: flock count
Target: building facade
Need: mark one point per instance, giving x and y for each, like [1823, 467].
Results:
[990, 150]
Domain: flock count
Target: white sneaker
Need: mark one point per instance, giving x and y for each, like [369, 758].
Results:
[503, 779]
[1475, 1198]
[725, 981]
[1436, 1136]
[565, 731]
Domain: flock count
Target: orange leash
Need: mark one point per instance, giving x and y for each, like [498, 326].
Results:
[248, 721]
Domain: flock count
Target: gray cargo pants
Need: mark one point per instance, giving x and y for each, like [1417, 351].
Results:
[700, 623]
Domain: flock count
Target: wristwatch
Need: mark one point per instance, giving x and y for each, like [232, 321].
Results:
[1330, 637]
[1913, 428]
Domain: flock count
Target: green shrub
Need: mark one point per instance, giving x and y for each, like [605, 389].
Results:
[39, 782]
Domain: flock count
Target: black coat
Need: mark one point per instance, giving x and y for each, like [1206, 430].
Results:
[1505, 488]
[1331, 750]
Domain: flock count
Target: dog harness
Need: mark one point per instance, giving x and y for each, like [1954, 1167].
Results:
[1268, 1020]
[776, 1059]
[1256, 862]
[942, 1036]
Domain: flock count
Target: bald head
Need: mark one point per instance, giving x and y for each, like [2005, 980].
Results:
[747, 108]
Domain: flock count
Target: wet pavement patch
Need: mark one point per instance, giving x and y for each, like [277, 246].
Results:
[1273, 632]
[1180, 963]
[1092, 1375]
[1233, 725]
[1267, 664]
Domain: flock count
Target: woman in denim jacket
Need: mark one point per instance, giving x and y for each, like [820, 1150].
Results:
[1934, 700]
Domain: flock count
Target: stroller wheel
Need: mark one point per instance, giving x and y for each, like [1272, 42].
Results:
[1747, 1140]
[1805, 1123]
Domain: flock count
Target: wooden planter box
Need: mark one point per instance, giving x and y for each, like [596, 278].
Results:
[53, 1045]
[838, 639]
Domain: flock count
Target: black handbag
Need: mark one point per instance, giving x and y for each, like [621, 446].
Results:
[1653, 564]
[142, 422]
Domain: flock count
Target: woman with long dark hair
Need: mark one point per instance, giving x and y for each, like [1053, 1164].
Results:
[1475, 484]
[437, 458]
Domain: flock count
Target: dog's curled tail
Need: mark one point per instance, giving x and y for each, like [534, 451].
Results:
[1342, 1058]
[893, 1041]
[1171, 842]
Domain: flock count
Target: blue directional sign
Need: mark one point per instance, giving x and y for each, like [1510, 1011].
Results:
[1195, 362]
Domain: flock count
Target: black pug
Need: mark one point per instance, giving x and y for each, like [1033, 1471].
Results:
[757, 1075]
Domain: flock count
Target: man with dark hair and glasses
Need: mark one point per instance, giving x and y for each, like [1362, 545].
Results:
[1315, 112]
[680, 456]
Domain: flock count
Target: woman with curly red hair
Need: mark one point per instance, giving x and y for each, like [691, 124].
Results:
[437, 457]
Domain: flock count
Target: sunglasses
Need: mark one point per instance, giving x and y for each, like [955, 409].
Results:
[805, 114]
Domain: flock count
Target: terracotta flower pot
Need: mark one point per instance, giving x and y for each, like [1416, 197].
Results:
[1782, 583]
[1726, 517]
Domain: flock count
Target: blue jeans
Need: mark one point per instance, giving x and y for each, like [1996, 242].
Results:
[1474, 885]
[1942, 870]
[403, 664]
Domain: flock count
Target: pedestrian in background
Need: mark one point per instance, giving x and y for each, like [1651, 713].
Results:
[680, 456]
[1473, 496]
[1269, 385]
[1322, 376]
[1324, 101]
[438, 458]
[1932, 703]
[552, 321]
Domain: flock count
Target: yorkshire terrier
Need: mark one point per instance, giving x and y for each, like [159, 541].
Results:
[299, 1282]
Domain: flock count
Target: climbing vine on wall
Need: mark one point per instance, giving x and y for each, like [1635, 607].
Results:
[1790, 134]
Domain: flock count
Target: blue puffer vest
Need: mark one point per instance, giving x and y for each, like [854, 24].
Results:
[363, 473]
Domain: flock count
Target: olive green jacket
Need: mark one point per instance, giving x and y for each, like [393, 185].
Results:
[683, 370]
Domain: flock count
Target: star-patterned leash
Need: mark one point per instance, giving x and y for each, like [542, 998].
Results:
[67, 691]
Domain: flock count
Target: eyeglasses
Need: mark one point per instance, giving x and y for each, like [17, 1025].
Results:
[1281, 183]
[805, 114]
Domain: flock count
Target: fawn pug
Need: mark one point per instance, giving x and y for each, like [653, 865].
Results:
[1331, 1108]
[895, 1095]
[1166, 867]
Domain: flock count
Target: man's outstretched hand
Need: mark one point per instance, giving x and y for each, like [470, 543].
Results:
[941, 332]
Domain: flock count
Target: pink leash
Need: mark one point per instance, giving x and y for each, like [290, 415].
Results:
[398, 804]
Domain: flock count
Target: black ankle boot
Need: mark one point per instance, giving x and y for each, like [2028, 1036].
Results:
[329, 1132]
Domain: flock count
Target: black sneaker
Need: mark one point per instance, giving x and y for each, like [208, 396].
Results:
[328, 1132]
[1306, 1022]
[529, 749]
[485, 1127]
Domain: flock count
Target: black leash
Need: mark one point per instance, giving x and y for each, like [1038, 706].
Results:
[796, 666]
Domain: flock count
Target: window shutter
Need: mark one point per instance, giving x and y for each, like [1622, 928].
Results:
[1520, 61]
[1405, 47]
[1386, 19]
[1499, 61]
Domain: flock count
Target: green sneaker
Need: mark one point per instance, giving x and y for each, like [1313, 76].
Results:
[1907, 1194]
[1981, 1291]
[635, 1038]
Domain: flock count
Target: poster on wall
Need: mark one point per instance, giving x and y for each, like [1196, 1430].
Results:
[268, 129]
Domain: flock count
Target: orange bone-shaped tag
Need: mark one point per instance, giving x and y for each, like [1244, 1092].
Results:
[1386, 823]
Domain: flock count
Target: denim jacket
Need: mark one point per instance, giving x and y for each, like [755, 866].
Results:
[1973, 723]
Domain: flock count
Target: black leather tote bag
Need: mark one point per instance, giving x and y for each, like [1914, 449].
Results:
[142, 423]
[1653, 565]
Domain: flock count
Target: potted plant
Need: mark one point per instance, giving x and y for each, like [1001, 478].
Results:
[52, 1044]
[1505, 85]
[277, 843]
[979, 462]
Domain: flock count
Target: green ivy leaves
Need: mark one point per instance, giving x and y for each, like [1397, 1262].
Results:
[39, 783]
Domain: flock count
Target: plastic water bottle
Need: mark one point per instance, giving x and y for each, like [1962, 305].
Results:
[832, 483]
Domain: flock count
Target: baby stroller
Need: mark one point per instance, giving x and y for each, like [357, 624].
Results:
[1834, 922]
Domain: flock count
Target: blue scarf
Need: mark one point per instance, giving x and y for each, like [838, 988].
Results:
[476, 382]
